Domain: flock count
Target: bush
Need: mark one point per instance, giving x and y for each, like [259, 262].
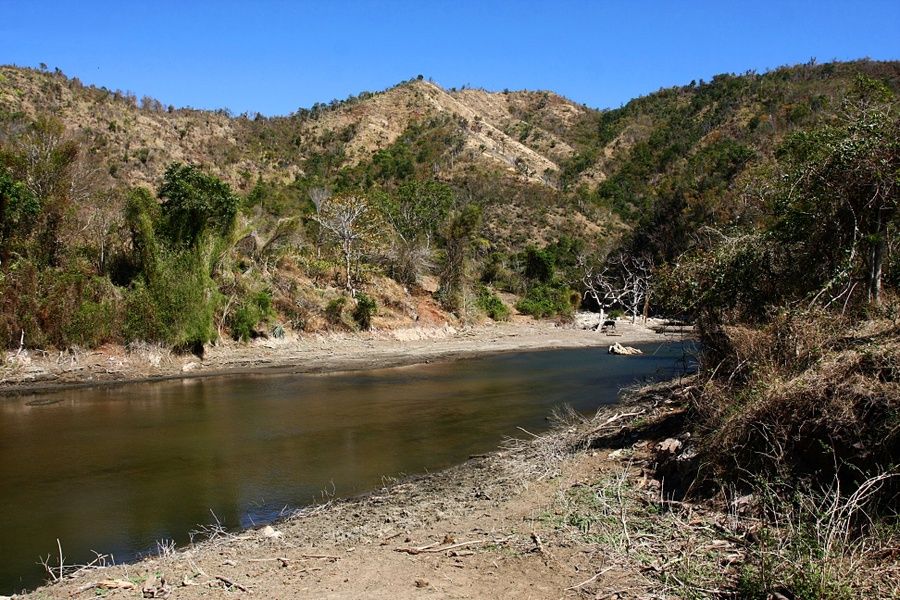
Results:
[825, 396]
[365, 309]
[195, 203]
[546, 301]
[55, 307]
[94, 323]
[247, 317]
[177, 304]
[335, 309]
[492, 305]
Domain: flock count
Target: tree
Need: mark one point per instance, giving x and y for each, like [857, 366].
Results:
[47, 162]
[840, 197]
[415, 212]
[17, 207]
[352, 223]
[195, 203]
[623, 279]
[602, 287]
[460, 232]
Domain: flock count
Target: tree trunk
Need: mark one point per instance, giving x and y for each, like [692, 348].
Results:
[646, 306]
[347, 251]
[876, 260]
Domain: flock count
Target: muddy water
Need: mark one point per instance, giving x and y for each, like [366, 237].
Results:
[114, 470]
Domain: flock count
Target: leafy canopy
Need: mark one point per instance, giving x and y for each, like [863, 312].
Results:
[195, 203]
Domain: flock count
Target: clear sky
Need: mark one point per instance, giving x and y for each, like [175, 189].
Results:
[276, 56]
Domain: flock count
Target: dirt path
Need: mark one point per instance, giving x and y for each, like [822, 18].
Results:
[28, 372]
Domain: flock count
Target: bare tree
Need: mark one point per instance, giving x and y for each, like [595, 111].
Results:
[319, 196]
[622, 279]
[352, 223]
[636, 273]
[602, 286]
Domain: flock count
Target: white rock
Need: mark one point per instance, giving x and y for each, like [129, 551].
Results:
[270, 532]
[670, 445]
[618, 348]
[191, 366]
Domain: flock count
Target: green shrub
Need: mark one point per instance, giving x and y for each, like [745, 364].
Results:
[94, 323]
[540, 264]
[177, 304]
[57, 307]
[365, 309]
[249, 314]
[195, 203]
[546, 301]
[491, 304]
[335, 309]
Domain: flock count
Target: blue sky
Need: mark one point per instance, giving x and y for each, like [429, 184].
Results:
[276, 56]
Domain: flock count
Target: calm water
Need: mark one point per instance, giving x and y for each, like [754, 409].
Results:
[116, 469]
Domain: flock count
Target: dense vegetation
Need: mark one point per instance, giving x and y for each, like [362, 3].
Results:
[90, 255]
[798, 398]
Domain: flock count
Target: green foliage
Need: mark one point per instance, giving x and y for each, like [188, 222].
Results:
[832, 211]
[459, 234]
[364, 311]
[418, 208]
[142, 213]
[56, 307]
[176, 302]
[334, 310]
[415, 211]
[394, 162]
[94, 323]
[546, 300]
[278, 199]
[491, 304]
[38, 176]
[18, 209]
[540, 265]
[249, 314]
[195, 203]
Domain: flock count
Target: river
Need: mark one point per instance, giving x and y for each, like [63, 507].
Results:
[116, 469]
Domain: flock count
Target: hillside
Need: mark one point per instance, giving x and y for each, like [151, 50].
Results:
[138, 139]
[466, 194]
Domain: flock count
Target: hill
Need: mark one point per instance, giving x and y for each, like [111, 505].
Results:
[549, 186]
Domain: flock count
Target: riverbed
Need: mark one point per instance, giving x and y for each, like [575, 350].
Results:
[117, 469]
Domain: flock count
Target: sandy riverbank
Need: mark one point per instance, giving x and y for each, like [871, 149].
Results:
[30, 372]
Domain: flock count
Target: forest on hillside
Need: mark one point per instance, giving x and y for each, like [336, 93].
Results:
[784, 179]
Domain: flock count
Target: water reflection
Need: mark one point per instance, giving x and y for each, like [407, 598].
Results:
[117, 469]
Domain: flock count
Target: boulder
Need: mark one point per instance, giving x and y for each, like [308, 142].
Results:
[618, 348]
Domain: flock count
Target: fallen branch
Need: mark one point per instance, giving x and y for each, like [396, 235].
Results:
[322, 556]
[587, 581]
[431, 549]
[283, 561]
[230, 583]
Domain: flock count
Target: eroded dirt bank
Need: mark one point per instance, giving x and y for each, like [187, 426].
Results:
[35, 371]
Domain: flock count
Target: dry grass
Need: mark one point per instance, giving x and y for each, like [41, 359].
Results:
[804, 397]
